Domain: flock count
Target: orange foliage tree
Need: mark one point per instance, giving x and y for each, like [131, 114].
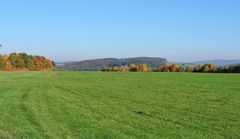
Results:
[165, 68]
[212, 68]
[209, 68]
[6, 63]
[143, 68]
[42, 63]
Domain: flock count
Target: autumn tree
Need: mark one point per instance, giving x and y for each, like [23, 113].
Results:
[123, 69]
[143, 68]
[212, 68]
[115, 69]
[165, 68]
[24, 62]
[6, 63]
[174, 68]
[134, 68]
[41, 63]
[209, 68]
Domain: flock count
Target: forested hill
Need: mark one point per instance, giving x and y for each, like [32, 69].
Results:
[98, 64]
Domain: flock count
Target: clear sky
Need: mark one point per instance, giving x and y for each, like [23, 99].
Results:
[179, 30]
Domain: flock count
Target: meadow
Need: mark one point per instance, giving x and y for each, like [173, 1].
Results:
[119, 105]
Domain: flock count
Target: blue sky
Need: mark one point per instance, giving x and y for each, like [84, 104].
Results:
[179, 30]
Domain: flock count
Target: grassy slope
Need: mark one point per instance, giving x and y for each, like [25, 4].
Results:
[119, 105]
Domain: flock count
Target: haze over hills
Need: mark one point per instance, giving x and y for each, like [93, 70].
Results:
[218, 62]
[98, 64]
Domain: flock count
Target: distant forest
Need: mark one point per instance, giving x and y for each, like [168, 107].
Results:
[98, 64]
[206, 68]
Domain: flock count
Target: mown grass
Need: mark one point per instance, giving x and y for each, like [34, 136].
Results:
[119, 105]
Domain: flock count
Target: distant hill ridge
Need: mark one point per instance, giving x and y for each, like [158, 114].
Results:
[218, 62]
[98, 64]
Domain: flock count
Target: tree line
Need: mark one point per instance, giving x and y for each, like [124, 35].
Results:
[206, 68]
[25, 62]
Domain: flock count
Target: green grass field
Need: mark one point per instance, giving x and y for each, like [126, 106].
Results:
[119, 105]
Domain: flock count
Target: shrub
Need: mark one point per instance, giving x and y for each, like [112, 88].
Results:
[134, 68]
[155, 69]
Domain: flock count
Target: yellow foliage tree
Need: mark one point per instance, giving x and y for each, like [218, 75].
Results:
[174, 68]
[134, 68]
[143, 68]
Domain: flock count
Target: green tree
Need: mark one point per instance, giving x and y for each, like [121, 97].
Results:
[234, 68]
[198, 68]
[205, 68]
[13, 59]
[222, 69]
[1, 63]
[189, 69]
[24, 56]
[20, 63]
[30, 63]
[54, 64]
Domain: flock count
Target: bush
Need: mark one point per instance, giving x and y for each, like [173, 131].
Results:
[155, 69]
[134, 68]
